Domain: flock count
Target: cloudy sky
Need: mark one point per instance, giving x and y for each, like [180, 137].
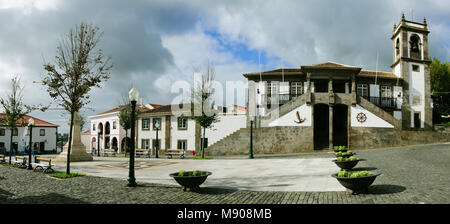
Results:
[155, 43]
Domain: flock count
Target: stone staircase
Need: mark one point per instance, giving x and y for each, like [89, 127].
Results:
[379, 112]
[284, 109]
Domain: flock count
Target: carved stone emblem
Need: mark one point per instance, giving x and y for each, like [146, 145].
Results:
[361, 117]
[299, 120]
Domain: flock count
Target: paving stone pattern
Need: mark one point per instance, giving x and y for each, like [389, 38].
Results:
[413, 175]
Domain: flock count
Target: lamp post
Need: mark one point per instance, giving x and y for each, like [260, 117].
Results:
[134, 95]
[251, 138]
[157, 141]
[30, 127]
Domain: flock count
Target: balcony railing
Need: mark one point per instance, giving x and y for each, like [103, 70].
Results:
[282, 98]
[383, 102]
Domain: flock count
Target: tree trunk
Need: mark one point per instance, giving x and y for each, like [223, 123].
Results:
[11, 146]
[70, 143]
[203, 143]
[126, 142]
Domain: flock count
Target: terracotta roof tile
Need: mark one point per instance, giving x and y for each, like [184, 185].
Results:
[37, 121]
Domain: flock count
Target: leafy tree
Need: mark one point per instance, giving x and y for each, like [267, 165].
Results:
[125, 122]
[440, 86]
[201, 110]
[15, 109]
[77, 69]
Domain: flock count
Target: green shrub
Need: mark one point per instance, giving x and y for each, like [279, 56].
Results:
[182, 173]
[340, 159]
[341, 174]
[64, 175]
[197, 173]
[352, 158]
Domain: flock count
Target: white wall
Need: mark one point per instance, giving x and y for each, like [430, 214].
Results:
[176, 134]
[49, 138]
[151, 134]
[290, 118]
[371, 121]
[118, 133]
[417, 87]
[226, 125]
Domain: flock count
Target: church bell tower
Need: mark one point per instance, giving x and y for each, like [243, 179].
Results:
[412, 65]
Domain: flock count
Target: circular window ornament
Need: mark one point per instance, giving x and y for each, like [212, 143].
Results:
[361, 117]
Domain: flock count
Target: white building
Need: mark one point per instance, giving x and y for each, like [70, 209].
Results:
[44, 136]
[178, 132]
[106, 127]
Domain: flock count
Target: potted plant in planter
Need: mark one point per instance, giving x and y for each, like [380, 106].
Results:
[340, 148]
[358, 182]
[345, 154]
[347, 163]
[190, 179]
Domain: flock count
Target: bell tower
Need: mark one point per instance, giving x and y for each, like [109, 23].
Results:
[412, 65]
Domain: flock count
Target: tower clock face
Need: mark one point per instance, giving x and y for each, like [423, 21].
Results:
[361, 117]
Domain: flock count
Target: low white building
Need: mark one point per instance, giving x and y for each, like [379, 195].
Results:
[105, 126]
[178, 132]
[44, 136]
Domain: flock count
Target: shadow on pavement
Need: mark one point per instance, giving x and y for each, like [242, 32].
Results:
[385, 189]
[216, 190]
[51, 198]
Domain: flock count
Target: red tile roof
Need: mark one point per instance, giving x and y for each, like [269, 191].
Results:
[37, 121]
[138, 108]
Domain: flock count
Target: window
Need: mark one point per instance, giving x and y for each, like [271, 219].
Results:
[415, 46]
[416, 68]
[2, 132]
[397, 46]
[42, 132]
[386, 91]
[182, 123]
[114, 124]
[145, 143]
[296, 88]
[362, 90]
[156, 143]
[156, 121]
[182, 144]
[145, 124]
[15, 132]
[93, 127]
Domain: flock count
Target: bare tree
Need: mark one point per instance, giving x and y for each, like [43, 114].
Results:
[15, 109]
[202, 110]
[78, 67]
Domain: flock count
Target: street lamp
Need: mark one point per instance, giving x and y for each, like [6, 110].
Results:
[157, 141]
[30, 126]
[251, 138]
[134, 96]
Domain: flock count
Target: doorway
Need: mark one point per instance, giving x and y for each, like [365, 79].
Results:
[321, 126]
[340, 125]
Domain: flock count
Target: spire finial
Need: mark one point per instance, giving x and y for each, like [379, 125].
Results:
[424, 21]
[403, 16]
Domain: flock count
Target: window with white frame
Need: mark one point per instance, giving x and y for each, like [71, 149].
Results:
[296, 88]
[362, 90]
[145, 124]
[386, 91]
[182, 123]
[2, 132]
[114, 124]
[182, 144]
[145, 143]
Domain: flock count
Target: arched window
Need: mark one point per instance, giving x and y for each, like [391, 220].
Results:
[415, 46]
[397, 46]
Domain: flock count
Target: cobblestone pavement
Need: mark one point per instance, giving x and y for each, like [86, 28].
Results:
[413, 175]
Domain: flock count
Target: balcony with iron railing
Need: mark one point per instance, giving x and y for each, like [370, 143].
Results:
[382, 102]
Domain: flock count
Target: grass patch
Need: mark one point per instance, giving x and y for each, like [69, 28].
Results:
[65, 176]
[202, 158]
[6, 164]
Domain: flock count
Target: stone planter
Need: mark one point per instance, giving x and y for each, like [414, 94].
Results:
[191, 182]
[357, 184]
[347, 165]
